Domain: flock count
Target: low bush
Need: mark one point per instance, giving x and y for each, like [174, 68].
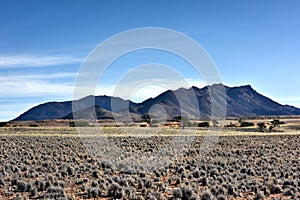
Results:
[206, 196]
[79, 124]
[203, 124]
[246, 124]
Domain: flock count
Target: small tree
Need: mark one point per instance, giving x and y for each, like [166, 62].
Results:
[177, 118]
[276, 122]
[271, 128]
[146, 118]
[3, 124]
[241, 120]
[185, 122]
[203, 124]
[261, 126]
[215, 123]
[79, 124]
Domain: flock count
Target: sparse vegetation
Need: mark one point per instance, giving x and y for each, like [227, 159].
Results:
[44, 166]
[3, 124]
[203, 124]
[79, 124]
[147, 118]
[261, 126]
[243, 123]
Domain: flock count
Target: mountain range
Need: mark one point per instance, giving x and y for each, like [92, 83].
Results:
[192, 103]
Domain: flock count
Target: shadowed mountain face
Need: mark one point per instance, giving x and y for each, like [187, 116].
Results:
[244, 101]
[192, 103]
[59, 110]
[92, 112]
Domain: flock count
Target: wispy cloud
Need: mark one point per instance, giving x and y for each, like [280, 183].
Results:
[17, 61]
[36, 85]
[5, 77]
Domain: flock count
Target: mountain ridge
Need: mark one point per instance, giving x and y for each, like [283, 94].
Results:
[193, 102]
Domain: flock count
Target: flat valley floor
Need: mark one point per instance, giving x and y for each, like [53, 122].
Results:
[149, 163]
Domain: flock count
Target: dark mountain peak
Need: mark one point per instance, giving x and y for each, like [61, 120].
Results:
[242, 87]
[246, 86]
[218, 85]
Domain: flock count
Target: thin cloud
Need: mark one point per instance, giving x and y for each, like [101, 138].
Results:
[13, 85]
[5, 77]
[35, 88]
[18, 61]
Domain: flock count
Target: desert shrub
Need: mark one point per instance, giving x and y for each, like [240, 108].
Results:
[246, 124]
[127, 192]
[213, 172]
[142, 174]
[147, 118]
[180, 170]
[276, 122]
[286, 183]
[204, 181]
[55, 192]
[221, 197]
[214, 190]
[230, 189]
[186, 122]
[14, 181]
[33, 191]
[275, 189]
[33, 125]
[215, 123]
[93, 192]
[261, 126]
[116, 191]
[203, 124]
[186, 193]
[196, 173]
[95, 174]
[2, 183]
[70, 171]
[79, 124]
[251, 172]
[259, 196]
[3, 124]
[177, 194]
[18, 198]
[29, 187]
[289, 192]
[206, 196]
[148, 183]
[21, 186]
[158, 196]
[221, 191]
[94, 184]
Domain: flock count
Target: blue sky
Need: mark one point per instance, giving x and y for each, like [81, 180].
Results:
[43, 43]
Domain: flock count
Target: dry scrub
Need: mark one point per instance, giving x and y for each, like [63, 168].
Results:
[41, 165]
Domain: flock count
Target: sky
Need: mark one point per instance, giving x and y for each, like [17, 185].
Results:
[43, 45]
